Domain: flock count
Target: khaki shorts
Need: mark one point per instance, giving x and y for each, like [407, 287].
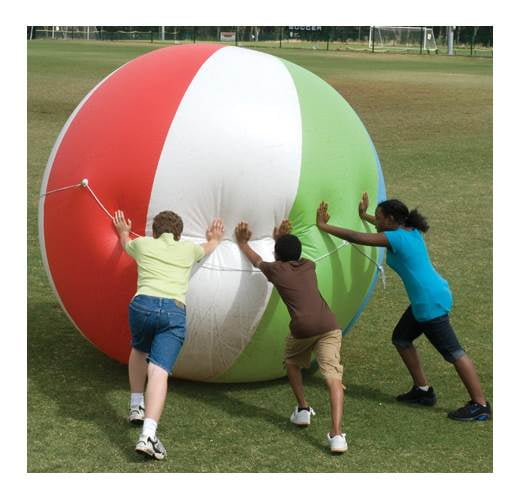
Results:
[326, 347]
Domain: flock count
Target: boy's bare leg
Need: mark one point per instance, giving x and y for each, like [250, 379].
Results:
[336, 396]
[412, 362]
[295, 380]
[137, 370]
[156, 392]
[469, 377]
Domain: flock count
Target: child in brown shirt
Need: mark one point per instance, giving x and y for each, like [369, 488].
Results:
[313, 327]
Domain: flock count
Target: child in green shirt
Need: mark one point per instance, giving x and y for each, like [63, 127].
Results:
[157, 314]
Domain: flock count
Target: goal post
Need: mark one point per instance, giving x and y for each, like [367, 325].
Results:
[402, 38]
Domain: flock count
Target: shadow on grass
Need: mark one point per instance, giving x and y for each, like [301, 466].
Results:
[81, 382]
[372, 394]
[73, 374]
[368, 393]
[227, 398]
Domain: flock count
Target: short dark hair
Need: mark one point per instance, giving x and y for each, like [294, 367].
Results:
[167, 222]
[288, 247]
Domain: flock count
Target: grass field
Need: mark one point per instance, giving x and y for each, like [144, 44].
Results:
[286, 43]
[431, 121]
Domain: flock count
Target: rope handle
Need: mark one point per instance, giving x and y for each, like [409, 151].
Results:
[85, 184]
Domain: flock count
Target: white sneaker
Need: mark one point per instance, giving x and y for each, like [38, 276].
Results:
[301, 418]
[151, 447]
[338, 443]
[136, 416]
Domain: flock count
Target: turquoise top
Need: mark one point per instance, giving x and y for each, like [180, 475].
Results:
[428, 292]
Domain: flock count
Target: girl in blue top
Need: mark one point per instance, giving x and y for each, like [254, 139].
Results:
[401, 233]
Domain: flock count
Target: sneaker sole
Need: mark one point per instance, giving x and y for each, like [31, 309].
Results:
[135, 421]
[301, 425]
[147, 454]
[339, 450]
[479, 418]
[422, 402]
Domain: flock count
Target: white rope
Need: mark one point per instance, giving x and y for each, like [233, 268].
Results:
[99, 202]
[85, 184]
[379, 268]
[255, 270]
[104, 209]
[60, 189]
[343, 244]
[224, 268]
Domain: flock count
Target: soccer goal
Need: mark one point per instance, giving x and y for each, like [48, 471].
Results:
[67, 33]
[402, 38]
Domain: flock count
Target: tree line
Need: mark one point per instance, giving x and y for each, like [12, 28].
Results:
[479, 35]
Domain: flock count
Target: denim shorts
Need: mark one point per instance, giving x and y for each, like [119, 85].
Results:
[158, 328]
[439, 331]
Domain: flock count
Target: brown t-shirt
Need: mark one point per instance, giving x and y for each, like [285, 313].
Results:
[296, 282]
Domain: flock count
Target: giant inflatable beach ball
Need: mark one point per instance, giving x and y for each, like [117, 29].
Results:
[208, 131]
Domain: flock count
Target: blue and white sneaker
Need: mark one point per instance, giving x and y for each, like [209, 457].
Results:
[471, 411]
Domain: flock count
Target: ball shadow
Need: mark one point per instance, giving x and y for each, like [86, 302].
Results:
[81, 381]
[226, 398]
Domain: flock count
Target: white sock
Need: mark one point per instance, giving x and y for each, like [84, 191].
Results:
[137, 399]
[423, 387]
[149, 427]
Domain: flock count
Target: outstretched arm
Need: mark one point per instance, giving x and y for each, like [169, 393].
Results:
[214, 236]
[362, 210]
[369, 239]
[123, 227]
[243, 235]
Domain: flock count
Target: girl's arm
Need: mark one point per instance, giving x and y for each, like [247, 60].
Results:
[369, 239]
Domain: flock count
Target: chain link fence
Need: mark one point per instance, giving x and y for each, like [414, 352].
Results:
[468, 40]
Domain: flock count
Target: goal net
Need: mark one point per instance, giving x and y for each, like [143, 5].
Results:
[402, 38]
[92, 33]
[68, 33]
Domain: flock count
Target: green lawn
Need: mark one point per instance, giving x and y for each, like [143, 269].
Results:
[430, 118]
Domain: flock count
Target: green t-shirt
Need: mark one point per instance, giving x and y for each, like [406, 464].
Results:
[164, 265]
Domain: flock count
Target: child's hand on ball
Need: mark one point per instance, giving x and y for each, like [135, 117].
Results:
[322, 214]
[242, 233]
[363, 205]
[122, 225]
[282, 229]
[216, 230]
